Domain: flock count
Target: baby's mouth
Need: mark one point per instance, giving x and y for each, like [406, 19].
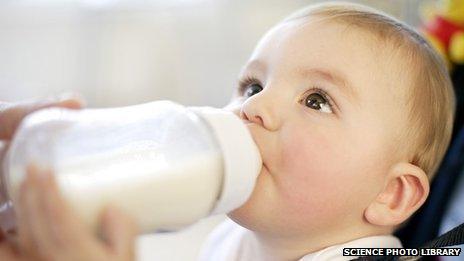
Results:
[265, 168]
[247, 122]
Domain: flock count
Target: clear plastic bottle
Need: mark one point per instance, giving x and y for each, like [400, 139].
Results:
[164, 164]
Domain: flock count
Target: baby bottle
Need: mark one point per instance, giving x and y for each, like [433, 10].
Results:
[164, 164]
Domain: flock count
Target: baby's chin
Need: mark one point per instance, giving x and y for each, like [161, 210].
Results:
[240, 214]
[244, 219]
[251, 213]
[264, 222]
[255, 216]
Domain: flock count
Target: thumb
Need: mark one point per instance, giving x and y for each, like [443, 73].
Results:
[11, 114]
[119, 232]
[69, 102]
[7, 253]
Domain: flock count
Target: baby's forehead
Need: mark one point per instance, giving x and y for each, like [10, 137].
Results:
[373, 41]
[359, 55]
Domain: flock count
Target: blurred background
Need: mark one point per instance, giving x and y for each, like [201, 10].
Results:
[117, 53]
[131, 51]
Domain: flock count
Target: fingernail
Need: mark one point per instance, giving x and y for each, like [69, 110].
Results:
[110, 211]
[71, 96]
[62, 98]
[36, 172]
[31, 171]
[44, 173]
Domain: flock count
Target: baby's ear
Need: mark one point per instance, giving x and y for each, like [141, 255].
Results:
[406, 189]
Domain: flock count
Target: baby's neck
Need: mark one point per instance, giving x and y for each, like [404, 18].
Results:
[293, 248]
[274, 248]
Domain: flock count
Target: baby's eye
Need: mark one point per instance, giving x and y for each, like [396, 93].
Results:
[317, 101]
[252, 89]
[249, 86]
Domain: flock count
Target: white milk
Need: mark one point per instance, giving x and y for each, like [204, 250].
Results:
[155, 194]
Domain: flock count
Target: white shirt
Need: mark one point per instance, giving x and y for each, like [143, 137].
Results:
[231, 242]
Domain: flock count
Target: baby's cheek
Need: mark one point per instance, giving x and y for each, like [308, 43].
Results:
[310, 172]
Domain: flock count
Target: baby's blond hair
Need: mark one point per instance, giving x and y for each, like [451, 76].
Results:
[431, 99]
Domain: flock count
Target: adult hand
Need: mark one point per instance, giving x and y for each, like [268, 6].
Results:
[50, 230]
[11, 115]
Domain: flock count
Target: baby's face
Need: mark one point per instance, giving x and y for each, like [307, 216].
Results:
[326, 106]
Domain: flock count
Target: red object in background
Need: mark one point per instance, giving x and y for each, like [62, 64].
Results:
[443, 29]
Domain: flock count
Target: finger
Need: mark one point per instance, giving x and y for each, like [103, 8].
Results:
[7, 218]
[51, 229]
[25, 238]
[2, 236]
[2, 199]
[12, 114]
[6, 235]
[60, 225]
[8, 253]
[45, 237]
[45, 215]
[69, 238]
[3, 148]
[120, 232]
[37, 219]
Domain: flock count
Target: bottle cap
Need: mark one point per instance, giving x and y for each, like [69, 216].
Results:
[242, 160]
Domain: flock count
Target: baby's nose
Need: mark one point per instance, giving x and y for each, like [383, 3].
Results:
[255, 118]
[261, 112]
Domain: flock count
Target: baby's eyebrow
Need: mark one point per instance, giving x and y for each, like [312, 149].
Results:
[255, 66]
[329, 75]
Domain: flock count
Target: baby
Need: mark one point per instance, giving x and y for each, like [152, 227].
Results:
[352, 112]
